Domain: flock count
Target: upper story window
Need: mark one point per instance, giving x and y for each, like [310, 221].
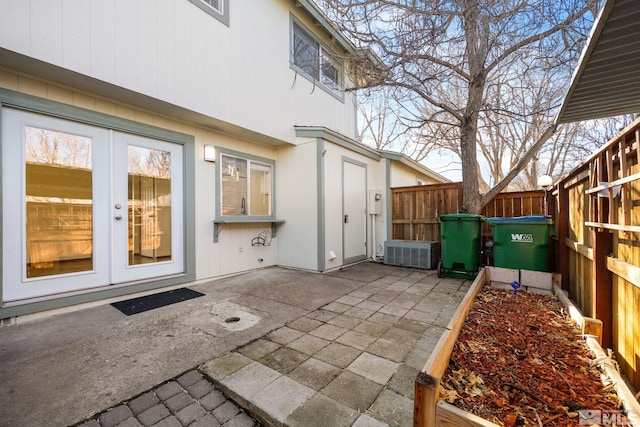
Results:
[313, 60]
[219, 9]
[246, 185]
[215, 5]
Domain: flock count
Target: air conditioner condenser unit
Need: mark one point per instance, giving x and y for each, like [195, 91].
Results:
[412, 253]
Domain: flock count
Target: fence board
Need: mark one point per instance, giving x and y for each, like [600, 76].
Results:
[416, 210]
[593, 209]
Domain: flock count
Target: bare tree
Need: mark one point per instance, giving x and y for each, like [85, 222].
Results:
[460, 57]
[381, 125]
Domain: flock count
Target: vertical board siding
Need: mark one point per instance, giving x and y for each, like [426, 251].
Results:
[580, 289]
[618, 159]
[415, 210]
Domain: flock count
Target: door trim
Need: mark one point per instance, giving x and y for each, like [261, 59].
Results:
[20, 101]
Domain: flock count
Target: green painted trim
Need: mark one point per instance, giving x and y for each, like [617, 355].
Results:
[1, 216]
[338, 95]
[37, 105]
[336, 138]
[356, 258]
[222, 17]
[66, 301]
[225, 219]
[388, 198]
[320, 195]
[321, 18]
[219, 224]
[189, 195]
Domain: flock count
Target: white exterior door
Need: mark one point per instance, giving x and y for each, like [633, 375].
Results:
[85, 207]
[354, 212]
[147, 208]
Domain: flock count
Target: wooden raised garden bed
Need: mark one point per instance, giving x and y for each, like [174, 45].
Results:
[518, 360]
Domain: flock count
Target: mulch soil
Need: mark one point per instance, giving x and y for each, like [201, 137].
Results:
[519, 360]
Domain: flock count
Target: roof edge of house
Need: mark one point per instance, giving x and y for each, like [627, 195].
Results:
[585, 56]
[316, 13]
[408, 161]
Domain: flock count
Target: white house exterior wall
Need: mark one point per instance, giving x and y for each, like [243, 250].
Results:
[172, 51]
[297, 185]
[233, 251]
[213, 259]
[403, 176]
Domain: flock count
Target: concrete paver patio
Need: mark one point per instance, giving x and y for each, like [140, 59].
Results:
[341, 348]
[351, 362]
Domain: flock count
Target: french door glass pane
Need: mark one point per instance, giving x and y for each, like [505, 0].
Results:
[149, 210]
[59, 203]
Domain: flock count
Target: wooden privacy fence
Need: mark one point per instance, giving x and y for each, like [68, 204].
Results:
[596, 210]
[598, 226]
[416, 209]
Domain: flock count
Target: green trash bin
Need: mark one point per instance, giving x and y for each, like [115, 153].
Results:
[461, 237]
[521, 243]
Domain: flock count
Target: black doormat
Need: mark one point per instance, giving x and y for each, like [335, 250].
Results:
[141, 304]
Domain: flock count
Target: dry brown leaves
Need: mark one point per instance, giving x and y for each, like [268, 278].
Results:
[520, 361]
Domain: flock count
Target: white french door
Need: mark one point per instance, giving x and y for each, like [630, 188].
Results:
[147, 208]
[85, 207]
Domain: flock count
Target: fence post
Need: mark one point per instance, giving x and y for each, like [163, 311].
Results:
[562, 227]
[424, 402]
[603, 287]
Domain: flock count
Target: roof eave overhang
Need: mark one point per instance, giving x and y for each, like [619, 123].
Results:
[606, 80]
[312, 9]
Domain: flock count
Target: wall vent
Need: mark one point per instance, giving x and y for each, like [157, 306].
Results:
[412, 253]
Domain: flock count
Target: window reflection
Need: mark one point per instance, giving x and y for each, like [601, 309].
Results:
[246, 187]
[149, 210]
[59, 207]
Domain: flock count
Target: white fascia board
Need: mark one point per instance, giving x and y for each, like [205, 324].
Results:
[399, 157]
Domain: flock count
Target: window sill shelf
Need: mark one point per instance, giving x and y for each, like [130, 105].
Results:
[219, 224]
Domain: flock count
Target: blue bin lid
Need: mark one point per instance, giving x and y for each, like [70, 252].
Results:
[531, 219]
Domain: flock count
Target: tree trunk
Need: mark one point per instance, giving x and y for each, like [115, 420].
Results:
[471, 201]
[476, 53]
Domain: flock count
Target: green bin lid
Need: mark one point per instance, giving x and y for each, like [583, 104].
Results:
[461, 217]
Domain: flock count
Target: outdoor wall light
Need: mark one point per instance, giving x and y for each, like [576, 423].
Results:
[545, 181]
[209, 153]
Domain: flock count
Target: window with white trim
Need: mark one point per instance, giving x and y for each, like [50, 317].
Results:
[246, 186]
[313, 60]
[219, 9]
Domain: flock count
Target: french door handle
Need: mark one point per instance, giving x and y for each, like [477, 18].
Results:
[118, 217]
